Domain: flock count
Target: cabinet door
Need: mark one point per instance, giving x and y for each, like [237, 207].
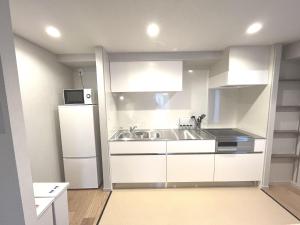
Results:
[191, 146]
[138, 169]
[46, 218]
[190, 168]
[77, 130]
[81, 172]
[145, 76]
[238, 167]
[60, 209]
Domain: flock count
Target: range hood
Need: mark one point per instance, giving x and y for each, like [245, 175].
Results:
[240, 67]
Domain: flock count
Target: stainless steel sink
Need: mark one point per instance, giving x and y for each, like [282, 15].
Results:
[162, 134]
[142, 134]
[138, 135]
[125, 135]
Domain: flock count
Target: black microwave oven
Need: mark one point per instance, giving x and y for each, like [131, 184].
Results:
[79, 96]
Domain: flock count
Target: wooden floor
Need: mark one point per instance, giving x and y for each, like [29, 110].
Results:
[287, 195]
[85, 206]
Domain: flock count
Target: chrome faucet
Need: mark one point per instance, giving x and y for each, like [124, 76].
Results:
[131, 129]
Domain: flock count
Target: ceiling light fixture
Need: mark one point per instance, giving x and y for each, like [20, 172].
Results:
[53, 32]
[254, 28]
[153, 30]
[190, 71]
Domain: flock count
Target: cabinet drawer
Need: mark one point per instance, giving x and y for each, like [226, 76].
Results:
[137, 147]
[238, 167]
[190, 168]
[138, 169]
[191, 146]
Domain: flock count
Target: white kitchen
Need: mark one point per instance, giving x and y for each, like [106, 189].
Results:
[153, 122]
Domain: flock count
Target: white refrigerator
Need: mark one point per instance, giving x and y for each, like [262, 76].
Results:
[79, 127]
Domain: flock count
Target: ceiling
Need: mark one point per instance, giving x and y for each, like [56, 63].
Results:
[186, 25]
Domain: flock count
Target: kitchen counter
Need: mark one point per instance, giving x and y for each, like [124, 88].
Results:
[49, 190]
[163, 135]
[250, 134]
[57, 193]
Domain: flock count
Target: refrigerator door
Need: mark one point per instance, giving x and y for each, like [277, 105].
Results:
[81, 172]
[78, 130]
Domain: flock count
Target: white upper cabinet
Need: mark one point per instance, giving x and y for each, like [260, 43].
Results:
[146, 76]
[241, 66]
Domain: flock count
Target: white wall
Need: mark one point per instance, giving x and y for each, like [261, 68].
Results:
[42, 80]
[245, 108]
[253, 109]
[89, 78]
[163, 110]
[223, 108]
[16, 192]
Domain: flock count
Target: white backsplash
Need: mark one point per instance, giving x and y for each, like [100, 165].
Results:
[163, 110]
[151, 119]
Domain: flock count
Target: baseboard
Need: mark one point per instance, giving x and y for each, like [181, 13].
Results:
[264, 186]
[107, 189]
[296, 185]
[185, 185]
[280, 183]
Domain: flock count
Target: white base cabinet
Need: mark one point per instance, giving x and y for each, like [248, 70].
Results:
[138, 168]
[182, 161]
[238, 167]
[60, 209]
[59, 205]
[46, 218]
[190, 168]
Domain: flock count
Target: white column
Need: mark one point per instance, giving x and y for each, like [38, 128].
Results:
[273, 81]
[16, 192]
[102, 67]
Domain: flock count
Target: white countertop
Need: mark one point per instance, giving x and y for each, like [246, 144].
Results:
[49, 190]
[42, 204]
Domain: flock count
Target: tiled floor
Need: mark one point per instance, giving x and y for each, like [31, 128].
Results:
[209, 206]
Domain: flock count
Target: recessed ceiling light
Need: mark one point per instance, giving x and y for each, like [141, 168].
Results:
[254, 28]
[190, 71]
[53, 32]
[121, 98]
[153, 30]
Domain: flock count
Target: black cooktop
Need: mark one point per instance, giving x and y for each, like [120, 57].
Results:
[226, 133]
